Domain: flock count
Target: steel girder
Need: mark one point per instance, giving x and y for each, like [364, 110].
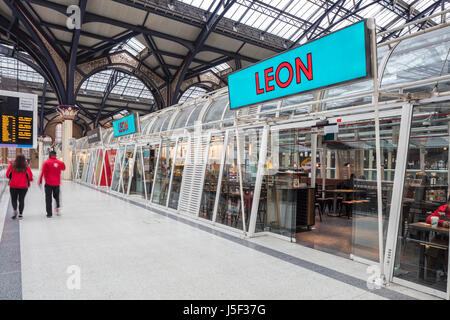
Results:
[73, 56]
[429, 10]
[208, 28]
[114, 79]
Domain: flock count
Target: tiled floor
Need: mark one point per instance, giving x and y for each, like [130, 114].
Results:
[124, 251]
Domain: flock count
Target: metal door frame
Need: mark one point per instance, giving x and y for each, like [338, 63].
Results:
[396, 204]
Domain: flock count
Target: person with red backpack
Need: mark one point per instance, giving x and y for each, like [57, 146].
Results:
[51, 171]
[20, 176]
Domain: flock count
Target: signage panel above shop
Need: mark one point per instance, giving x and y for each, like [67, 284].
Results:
[18, 120]
[124, 126]
[94, 135]
[339, 57]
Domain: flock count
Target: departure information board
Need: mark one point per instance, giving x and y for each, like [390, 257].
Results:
[18, 120]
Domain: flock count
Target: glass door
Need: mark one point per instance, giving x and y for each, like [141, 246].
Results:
[137, 185]
[110, 158]
[127, 168]
[149, 155]
[216, 147]
[117, 169]
[85, 165]
[285, 185]
[229, 210]
[163, 172]
[177, 175]
[90, 165]
[237, 185]
[98, 169]
[421, 255]
[74, 164]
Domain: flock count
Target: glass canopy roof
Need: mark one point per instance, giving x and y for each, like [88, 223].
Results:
[192, 93]
[290, 18]
[12, 68]
[128, 86]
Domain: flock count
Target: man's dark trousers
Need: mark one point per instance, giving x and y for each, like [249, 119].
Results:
[49, 192]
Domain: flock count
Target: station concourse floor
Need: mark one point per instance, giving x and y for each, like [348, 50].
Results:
[124, 251]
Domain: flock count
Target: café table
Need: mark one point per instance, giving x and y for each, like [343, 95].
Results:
[345, 193]
[424, 232]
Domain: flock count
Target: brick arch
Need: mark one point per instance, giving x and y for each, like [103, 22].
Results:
[207, 80]
[126, 63]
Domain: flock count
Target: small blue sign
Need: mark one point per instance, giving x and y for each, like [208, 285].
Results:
[124, 126]
[336, 58]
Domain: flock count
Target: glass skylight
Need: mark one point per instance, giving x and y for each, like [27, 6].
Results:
[133, 46]
[12, 68]
[192, 93]
[220, 67]
[128, 86]
[290, 18]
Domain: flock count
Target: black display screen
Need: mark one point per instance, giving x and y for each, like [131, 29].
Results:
[16, 122]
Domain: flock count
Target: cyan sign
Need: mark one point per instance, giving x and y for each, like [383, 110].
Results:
[336, 58]
[124, 126]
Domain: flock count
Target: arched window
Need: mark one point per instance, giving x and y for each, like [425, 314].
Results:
[123, 92]
[192, 93]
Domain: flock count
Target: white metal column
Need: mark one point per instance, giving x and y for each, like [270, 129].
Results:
[103, 166]
[373, 39]
[397, 191]
[143, 172]
[241, 188]
[258, 182]
[313, 158]
[121, 170]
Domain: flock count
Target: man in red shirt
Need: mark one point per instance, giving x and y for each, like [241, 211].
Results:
[51, 171]
[443, 212]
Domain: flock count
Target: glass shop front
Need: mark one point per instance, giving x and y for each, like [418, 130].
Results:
[305, 168]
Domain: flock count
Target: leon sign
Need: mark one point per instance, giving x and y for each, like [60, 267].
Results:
[339, 57]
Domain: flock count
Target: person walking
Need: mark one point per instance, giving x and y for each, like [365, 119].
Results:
[20, 176]
[51, 172]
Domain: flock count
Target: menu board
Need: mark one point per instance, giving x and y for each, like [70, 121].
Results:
[18, 120]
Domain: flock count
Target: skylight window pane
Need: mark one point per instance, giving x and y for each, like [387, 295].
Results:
[192, 93]
[132, 45]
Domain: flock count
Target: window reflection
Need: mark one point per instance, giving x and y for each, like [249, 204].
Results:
[98, 170]
[117, 169]
[422, 250]
[162, 179]
[137, 185]
[127, 169]
[149, 154]
[178, 173]
[211, 177]
[229, 211]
